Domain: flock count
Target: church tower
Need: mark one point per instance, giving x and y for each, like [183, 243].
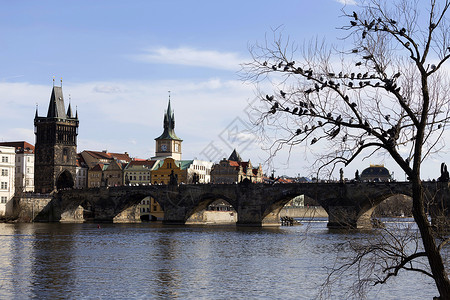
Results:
[168, 144]
[56, 145]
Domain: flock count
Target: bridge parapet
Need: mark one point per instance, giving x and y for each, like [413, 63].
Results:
[349, 205]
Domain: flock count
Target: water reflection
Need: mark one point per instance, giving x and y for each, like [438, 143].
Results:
[47, 261]
[52, 265]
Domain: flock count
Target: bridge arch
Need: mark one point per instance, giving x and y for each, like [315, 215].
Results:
[367, 207]
[198, 214]
[277, 201]
[64, 180]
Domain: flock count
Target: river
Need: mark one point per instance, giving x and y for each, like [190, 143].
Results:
[154, 261]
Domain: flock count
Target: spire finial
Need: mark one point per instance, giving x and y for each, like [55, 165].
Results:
[61, 81]
[53, 80]
[169, 95]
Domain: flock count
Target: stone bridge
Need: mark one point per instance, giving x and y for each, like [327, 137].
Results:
[349, 205]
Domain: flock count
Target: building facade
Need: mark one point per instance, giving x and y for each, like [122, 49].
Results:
[168, 168]
[7, 178]
[113, 174]
[82, 173]
[95, 176]
[198, 171]
[56, 146]
[234, 170]
[138, 172]
[24, 166]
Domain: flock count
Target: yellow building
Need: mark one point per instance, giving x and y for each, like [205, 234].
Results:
[162, 173]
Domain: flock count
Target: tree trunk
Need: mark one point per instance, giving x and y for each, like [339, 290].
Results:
[429, 243]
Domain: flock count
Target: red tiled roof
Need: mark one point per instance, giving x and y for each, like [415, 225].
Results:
[233, 163]
[107, 155]
[80, 161]
[97, 167]
[21, 146]
[144, 162]
[121, 156]
[99, 155]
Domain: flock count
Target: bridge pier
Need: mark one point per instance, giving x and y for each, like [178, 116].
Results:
[341, 217]
[251, 215]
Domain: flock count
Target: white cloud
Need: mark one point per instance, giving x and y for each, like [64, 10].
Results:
[347, 2]
[191, 57]
[108, 89]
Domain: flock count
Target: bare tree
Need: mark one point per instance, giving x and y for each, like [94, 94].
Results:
[388, 93]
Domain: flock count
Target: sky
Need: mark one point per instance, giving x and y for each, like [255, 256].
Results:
[118, 60]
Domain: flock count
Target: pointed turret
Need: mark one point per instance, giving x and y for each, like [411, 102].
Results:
[69, 112]
[169, 125]
[56, 108]
[235, 156]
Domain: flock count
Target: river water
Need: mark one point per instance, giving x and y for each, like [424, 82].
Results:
[154, 261]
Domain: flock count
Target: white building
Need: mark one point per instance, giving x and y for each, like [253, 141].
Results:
[200, 168]
[7, 168]
[81, 173]
[24, 177]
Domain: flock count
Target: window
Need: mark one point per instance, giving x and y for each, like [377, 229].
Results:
[4, 186]
[3, 199]
[28, 159]
[65, 155]
[4, 172]
[5, 159]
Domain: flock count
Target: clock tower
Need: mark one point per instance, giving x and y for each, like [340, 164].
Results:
[168, 144]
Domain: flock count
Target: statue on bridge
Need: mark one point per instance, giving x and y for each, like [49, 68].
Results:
[444, 173]
[173, 179]
[357, 177]
[195, 178]
[341, 173]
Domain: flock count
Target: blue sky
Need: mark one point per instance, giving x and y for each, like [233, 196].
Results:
[119, 59]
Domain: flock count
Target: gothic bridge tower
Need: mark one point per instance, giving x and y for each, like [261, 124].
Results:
[56, 145]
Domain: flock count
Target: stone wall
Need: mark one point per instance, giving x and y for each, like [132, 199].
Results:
[28, 207]
[213, 217]
[304, 212]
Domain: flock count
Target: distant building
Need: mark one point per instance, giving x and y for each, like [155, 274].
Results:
[167, 168]
[56, 146]
[95, 176]
[104, 161]
[7, 178]
[24, 166]
[234, 170]
[376, 173]
[185, 171]
[93, 158]
[168, 144]
[81, 178]
[113, 174]
[198, 171]
[139, 172]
